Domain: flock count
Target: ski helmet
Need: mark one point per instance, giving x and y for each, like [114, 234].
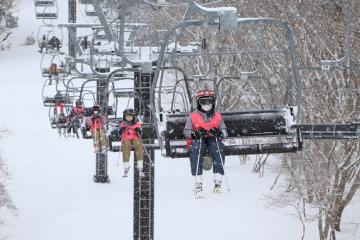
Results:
[205, 100]
[78, 103]
[96, 108]
[129, 111]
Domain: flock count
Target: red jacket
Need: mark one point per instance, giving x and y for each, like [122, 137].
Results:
[78, 111]
[59, 104]
[130, 133]
[199, 123]
[96, 123]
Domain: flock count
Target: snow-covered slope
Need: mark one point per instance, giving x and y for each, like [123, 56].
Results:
[52, 177]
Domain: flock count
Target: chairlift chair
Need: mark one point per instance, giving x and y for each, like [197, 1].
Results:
[44, 3]
[275, 124]
[46, 10]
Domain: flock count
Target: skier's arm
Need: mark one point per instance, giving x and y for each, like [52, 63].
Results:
[223, 129]
[188, 127]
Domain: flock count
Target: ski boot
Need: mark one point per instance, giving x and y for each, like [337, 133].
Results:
[140, 165]
[96, 150]
[217, 187]
[198, 191]
[141, 173]
[126, 172]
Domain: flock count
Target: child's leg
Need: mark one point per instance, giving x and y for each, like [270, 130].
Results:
[96, 137]
[103, 140]
[126, 150]
[139, 150]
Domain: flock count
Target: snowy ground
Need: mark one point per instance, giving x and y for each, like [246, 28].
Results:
[52, 177]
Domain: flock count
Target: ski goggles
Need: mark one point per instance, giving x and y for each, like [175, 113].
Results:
[207, 101]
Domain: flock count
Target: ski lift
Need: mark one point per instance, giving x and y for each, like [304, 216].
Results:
[102, 65]
[269, 124]
[53, 67]
[46, 9]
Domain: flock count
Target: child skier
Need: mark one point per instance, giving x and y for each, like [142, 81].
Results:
[59, 117]
[130, 133]
[97, 122]
[76, 118]
[204, 129]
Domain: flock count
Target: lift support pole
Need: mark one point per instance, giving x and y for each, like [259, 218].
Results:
[144, 187]
[101, 175]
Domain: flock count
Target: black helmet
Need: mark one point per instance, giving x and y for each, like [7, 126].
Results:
[129, 111]
[78, 103]
[96, 107]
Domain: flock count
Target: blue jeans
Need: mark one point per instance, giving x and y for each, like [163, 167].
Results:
[210, 145]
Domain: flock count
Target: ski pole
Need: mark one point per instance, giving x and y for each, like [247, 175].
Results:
[222, 163]
[146, 152]
[198, 161]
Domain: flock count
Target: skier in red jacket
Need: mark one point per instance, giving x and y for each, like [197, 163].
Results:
[204, 130]
[76, 118]
[130, 135]
[97, 123]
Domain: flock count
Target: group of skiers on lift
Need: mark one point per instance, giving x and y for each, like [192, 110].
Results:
[72, 122]
[53, 44]
[204, 129]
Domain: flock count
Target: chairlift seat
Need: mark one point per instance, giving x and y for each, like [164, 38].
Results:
[50, 101]
[102, 70]
[239, 124]
[46, 15]
[267, 123]
[62, 123]
[124, 94]
[86, 1]
[44, 3]
[91, 13]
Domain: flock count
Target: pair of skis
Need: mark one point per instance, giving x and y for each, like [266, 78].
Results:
[199, 192]
[126, 174]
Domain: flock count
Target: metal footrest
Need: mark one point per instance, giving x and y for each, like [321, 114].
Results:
[181, 151]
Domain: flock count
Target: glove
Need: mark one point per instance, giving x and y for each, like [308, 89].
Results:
[197, 134]
[215, 132]
[138, 131]
[121, 131]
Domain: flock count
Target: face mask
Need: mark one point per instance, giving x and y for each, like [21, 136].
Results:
[96, 112]
[206, 108]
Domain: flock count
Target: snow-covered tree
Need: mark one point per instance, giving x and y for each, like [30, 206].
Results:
[5, 198]
[7, 19]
